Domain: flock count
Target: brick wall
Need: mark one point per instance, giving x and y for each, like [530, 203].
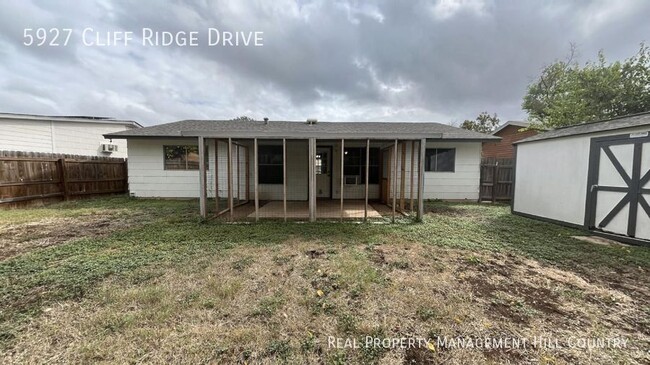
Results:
[504, 148]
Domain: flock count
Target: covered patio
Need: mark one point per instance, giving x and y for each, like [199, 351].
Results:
[296, 171]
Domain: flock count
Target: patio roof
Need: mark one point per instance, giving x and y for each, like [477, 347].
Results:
[293, 129]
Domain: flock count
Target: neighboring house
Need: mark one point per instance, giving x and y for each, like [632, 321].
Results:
[510, 132]
[164, 161]
[72, 135]
[594, 176]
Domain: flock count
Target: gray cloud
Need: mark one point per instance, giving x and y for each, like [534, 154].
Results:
[337, 60]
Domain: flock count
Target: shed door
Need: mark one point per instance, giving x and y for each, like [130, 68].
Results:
[619, 185]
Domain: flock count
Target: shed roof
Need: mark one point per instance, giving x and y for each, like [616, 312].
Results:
[292, 129]
[627, 121]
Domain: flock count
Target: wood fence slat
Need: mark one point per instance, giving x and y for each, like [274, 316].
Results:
[31, 176]
[496, 179]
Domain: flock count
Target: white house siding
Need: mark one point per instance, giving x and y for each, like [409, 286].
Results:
[76, 138]
[551, 176]
[463, 183]
[148, 177]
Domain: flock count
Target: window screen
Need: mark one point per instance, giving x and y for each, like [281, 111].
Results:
[354, 164]
[269, 164]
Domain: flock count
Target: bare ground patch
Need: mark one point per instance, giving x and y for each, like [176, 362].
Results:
[16, 239]
[280, 303]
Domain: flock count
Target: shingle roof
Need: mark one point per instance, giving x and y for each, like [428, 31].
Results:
[250, 129]
[628, 121]
[517, 123]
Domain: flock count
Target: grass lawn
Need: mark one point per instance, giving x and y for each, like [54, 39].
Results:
[119, 280]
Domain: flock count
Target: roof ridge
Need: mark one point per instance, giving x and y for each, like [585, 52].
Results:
[603, 120]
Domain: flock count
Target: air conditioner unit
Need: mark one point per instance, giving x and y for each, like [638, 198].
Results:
[108, 148]
[351, 179]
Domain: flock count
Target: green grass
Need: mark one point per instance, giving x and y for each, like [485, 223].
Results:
[170, 233]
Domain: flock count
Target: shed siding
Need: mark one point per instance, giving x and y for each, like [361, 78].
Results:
[551, 176]
[59, 137]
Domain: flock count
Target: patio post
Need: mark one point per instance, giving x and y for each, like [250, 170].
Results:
[394, 178]
[284, 176]
[237, 185]
[423, 145]
[203, 207]
[230, 202]
[342, 172]
[365, 206]
[312, 179]
[412, 173]
[247, 158]
[216, 174]
[402, 180]
[256, 181]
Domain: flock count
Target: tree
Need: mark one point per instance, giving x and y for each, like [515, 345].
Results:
[243, 118]
[567, 94]
[484, 123]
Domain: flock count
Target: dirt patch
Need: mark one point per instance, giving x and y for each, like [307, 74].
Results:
[16, 239]
[418, 355]
[314, 254]
[599, 241]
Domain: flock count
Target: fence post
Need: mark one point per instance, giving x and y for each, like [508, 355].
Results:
[495, 172]
[63, 178]
[125, 171]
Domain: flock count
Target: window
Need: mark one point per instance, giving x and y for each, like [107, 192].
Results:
[321, 164]
[354, 164]
[440, 160]
[269, 164]
[181, 157]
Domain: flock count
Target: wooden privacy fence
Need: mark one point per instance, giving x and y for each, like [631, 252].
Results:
[29, 176]
[496, 179]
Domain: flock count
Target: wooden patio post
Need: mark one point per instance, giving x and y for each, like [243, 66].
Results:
[284, 177]
[237, 185]
[230, 202]
[402, 182]
[312, 180]
[342, 172]
[256, 181]
[394, 178]
[247, 158]
[412, 174]
[203, 207]
[216, 174]
[365, 207]
[420, 213]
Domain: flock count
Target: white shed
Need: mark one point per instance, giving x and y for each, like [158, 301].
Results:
[593, 176]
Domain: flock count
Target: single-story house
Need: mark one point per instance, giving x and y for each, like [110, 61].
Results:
[281, 169]
[72, 135]
[509, 132]
[593, 176]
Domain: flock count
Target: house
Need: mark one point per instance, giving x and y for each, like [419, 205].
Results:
[304, 170]
[73, 135]
[593, 176]
[510, 132]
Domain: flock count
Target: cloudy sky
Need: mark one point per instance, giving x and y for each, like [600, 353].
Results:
[436, 60]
